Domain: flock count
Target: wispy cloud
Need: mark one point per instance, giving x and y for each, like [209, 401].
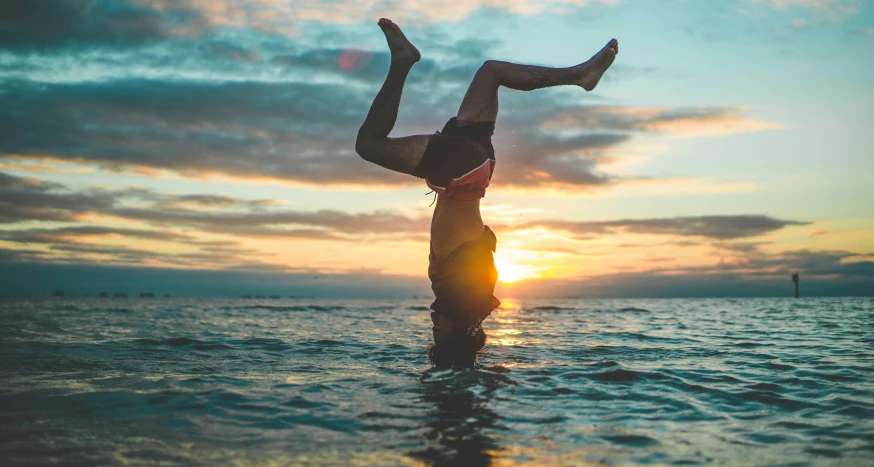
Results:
[813, 12]
[714, 227]
[683, 121]
[25, 199]
[283, 16]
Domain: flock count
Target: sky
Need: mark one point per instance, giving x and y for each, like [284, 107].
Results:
[207, 146]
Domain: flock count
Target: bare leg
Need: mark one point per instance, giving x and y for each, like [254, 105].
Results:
[480, 104]
[373, 143]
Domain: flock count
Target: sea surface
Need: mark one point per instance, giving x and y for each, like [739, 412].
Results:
[771, 382]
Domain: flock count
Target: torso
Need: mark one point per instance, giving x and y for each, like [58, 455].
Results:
[454, 222]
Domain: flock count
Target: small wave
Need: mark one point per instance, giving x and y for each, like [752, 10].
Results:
[68, 365]
[833, 453]
[278, 308]
[844, 376]
[548, 308]
[147, 341]
[635, 309]
[328, 342]
[419, 308]
[299, 402]
[211, 347]
[631, 440]
[766, 438]
[772, 398]
[765, 387]
[273, 345]
[778, 366]
[539, 379]
[295, 308]
[179, 341]
[857, 411]
[618, 375]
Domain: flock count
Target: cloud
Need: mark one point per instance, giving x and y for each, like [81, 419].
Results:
[285, 223]
[206, 201]
[42, 201]
[114, 254]
[48, 24]
[298, 132]
[28, 199]
[681, 121]
[64, 234]
[714, 227]
[284, 16]
[846, 6]
[293, 131]
[24, 199]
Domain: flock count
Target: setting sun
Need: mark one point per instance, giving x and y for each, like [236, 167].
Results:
[509, 272]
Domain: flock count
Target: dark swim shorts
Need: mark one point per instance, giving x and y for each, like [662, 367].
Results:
[459, 160]
[464, 281]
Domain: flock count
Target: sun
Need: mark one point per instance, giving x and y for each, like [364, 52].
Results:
[509, 272]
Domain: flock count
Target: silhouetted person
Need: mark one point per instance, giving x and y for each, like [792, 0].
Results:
[457, 163]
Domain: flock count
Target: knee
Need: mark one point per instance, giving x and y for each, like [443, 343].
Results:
[490, 68]
[364, 147]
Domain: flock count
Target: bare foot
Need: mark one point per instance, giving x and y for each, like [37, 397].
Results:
[401, 48]
[592, 70]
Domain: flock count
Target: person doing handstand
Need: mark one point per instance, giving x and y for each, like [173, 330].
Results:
[457, 163]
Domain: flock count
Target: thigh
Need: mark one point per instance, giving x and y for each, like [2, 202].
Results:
[399, 154]
[480, 103]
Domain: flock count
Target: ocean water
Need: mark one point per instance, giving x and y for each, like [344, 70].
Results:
[92, 381]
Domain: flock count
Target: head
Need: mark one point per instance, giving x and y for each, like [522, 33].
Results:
[455, 345]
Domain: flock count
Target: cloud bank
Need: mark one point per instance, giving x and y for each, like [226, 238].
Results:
[199, 89]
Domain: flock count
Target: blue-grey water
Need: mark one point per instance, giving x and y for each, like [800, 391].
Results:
[93, 381]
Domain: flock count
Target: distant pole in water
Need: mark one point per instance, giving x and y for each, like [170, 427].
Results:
[796, 280]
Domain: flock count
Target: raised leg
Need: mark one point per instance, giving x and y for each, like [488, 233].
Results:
[373, 144]
[480, 103]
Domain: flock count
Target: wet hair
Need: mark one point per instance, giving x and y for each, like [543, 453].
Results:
[458, 349]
